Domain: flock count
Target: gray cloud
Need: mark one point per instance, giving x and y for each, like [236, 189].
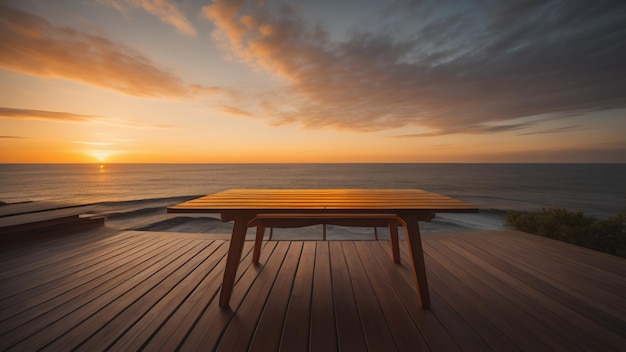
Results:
[168, 11]
[14, 113]
[62, 116]
[452, 63]
[553, 130]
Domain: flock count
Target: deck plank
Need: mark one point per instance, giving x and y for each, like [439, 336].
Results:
[349, 330]
[270, 325]
[323, 336]
[375, 327]
[295, 335]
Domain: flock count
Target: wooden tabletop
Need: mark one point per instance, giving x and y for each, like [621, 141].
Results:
[324, 200]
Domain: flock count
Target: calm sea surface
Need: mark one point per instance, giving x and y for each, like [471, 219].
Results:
[596, 189]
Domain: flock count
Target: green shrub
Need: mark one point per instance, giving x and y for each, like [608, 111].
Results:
[608, 235]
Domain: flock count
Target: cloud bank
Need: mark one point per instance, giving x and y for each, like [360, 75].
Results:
[448, 66]
[31, 45]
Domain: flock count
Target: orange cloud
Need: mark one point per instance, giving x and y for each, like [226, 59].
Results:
[32, 45]
[167, 11]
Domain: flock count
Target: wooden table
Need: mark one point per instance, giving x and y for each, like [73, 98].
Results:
[244, 205]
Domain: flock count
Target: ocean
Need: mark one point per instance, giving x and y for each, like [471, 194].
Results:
[596, 189]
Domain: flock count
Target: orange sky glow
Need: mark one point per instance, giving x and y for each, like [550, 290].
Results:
[121, 81]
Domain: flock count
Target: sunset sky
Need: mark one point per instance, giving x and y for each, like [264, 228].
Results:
[312, 81]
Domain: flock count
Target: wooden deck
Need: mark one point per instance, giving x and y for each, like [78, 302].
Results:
[497, 290]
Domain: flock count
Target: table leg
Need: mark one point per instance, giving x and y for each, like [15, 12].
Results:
[395, 247]
[414, 240]
[260, 232]
[232, 260]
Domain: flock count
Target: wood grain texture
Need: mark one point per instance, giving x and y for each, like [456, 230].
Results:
[331, 200]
